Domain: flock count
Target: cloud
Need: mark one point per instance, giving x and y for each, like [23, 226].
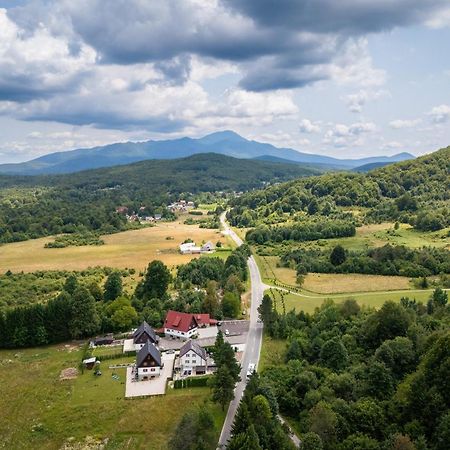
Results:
[341, 135]
[400, 124]
[440, 114]
[356, 102]
[306, 126]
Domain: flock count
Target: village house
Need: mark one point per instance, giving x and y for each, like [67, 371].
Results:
[143, 334]
[205, 320]
[193, 359]
[148, 362]
[180, 325]
[189, 248]
[140, 337]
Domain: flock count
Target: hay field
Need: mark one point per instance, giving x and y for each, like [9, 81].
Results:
[129, 249]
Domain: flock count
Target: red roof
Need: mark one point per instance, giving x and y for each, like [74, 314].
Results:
[205, 319]
[180, 321]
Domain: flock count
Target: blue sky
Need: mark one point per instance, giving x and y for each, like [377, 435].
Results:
[348, 79]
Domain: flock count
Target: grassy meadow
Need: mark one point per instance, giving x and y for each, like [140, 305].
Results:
[308, 302]
[40, 411]
[131, 249]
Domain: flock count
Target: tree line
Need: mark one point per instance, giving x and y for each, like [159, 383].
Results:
[359, 379]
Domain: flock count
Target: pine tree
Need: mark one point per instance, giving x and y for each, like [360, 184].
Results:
[113, 287]
[85, 320]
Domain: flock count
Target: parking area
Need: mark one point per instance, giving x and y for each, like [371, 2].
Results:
[157, 386]
[234, 327]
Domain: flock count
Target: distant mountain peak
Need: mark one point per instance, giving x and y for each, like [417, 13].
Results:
[221, 136]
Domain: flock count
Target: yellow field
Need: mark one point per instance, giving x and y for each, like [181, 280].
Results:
[131, 249]
[324, 283]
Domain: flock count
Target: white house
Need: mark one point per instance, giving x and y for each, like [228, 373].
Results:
[148, 362]
[180, 325]
[208, 247]
[193, 359]
[190, 248]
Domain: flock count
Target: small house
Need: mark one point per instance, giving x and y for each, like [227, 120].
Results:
[193, 359]
[148, 362]
[104, 340]
[89, 363]
[180, 325]
[143, 334]
[208, 247]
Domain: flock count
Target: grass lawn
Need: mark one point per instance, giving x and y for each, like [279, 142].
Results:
[132, 249]
[330, 283]
[308, 303]
[40, 411]
[272, 352]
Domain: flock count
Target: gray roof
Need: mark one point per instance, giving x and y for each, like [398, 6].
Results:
[191, 345]
[148, 349]
[144, 327]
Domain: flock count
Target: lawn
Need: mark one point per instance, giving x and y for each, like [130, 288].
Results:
[308, 302]
[40, 411]
[331, 283]
[131, 249]
[272, 352]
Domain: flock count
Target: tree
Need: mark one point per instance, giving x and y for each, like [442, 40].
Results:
[333, 354]
[313, 207]
[247, 440]
[439, 297]
[156, 281]
[311, 441]
[223, 386]
[211, 301]
[294, 351]
[231, 305]
[124, 318]
[398, 355]
[85, 320]
[113, 286]
[71, 284]
[338, 255]
[96, 291]
[323, 422]
[442, 435]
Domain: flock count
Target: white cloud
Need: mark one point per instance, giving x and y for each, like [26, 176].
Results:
[408, 123]
[306, 126]
[341, 135]
[355, 102]
[440, 114]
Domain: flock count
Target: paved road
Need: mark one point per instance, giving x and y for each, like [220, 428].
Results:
[254, 336]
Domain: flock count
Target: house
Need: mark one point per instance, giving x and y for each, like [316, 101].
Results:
[121, 210]
[143, 334]
[193, 359]
[180, 325]
[189, 248]
[208, 247]
[148, 362]
[104, 340]
[205, 320]
[89, 363]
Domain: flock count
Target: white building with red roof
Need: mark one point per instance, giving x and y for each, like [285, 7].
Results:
[180, 325]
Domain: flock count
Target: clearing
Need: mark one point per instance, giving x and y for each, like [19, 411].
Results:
[309, 302]
[39, 411]
[131, 249]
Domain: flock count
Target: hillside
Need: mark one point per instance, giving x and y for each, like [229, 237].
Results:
[416, 192]
[225, 143]
[32, 207]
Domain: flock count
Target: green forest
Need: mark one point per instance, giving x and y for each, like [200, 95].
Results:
[356, 379]
[415, 192]
[36, 206]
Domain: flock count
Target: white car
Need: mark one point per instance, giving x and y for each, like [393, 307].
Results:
[250, 370]
[227, 333]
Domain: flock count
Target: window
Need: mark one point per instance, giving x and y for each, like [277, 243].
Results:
[152, 370]
[145, 370]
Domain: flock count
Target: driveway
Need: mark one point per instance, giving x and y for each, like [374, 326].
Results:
[157, 386]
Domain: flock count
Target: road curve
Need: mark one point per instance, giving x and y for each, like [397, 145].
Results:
[254, 336]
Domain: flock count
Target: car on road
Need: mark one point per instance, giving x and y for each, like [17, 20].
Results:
[227, 333]
[250, 370]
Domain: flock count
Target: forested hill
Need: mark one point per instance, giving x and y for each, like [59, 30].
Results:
[416, 192]
[37, 206]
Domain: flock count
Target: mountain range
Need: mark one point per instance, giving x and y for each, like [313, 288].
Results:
[226, 143]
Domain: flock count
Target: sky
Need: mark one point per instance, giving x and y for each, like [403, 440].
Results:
[347, 78]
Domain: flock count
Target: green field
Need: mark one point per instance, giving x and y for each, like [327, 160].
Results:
[309, 302]
[40, 411]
